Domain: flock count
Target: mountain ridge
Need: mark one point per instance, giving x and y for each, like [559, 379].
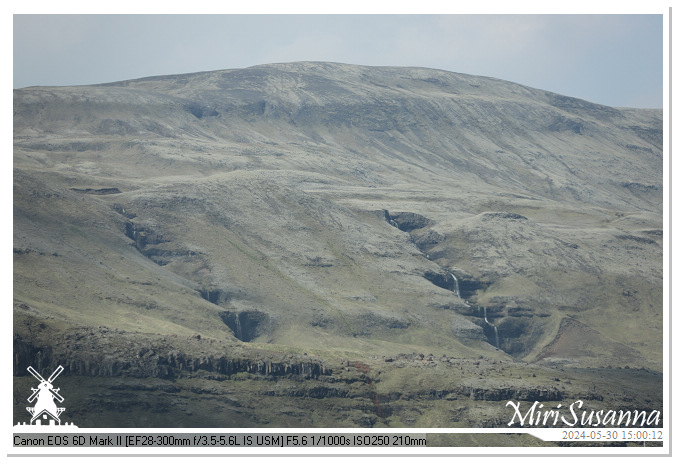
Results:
[332, 208]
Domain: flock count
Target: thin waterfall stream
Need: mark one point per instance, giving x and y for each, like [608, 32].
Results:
[497, 337]
[456, 288]
[456, 291]
[239, 333]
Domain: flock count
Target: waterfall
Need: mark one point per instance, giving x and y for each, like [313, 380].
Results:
[497, 337]
[239, 334]
[456, 288]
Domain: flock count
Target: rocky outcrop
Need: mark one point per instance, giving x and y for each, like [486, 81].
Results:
[501, 393]
[112, 353]
[247, 325]
[27, 354]
[98, 191]
[406, 221]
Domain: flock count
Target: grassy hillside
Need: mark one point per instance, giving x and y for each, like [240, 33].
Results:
[329, 209]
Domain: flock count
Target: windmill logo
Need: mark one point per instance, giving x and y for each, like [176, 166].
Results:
[45, 408]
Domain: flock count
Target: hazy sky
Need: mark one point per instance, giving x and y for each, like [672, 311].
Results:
[615, 60]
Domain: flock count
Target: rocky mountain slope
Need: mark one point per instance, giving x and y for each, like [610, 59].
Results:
[345, 214]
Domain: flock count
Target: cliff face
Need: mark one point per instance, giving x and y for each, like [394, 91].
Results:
[113, 353]
[117, 378]
[329, 208]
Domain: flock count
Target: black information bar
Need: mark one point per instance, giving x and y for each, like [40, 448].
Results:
[168, 440]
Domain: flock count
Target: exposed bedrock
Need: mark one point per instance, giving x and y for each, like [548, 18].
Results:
[247, 325]
[109, 353]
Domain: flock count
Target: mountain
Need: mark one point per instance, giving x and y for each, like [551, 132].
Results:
[345, 232]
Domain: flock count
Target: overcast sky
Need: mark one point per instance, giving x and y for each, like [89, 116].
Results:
[615, 60]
